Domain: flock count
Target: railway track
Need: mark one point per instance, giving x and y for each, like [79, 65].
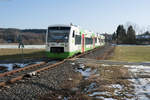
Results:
[18, 74]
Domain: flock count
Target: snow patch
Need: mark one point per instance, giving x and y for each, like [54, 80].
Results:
[141, 85]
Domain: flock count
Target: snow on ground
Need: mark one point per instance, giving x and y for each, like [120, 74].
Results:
[142, 85]
[11, 66]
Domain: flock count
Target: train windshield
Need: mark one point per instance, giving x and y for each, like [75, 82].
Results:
[58, 34]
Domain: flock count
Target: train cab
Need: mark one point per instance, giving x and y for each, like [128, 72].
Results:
[60, 40]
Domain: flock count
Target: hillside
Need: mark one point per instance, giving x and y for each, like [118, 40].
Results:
[29, 36]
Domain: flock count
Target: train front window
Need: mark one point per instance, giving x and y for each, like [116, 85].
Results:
[58, 34]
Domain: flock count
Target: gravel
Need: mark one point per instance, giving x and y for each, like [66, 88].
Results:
[32, 88]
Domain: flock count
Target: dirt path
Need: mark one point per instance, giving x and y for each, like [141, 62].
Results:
[101, 53]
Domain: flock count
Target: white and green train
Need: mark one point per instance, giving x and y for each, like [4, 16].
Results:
[63, 41]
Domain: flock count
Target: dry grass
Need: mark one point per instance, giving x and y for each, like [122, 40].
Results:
[132, 53]
[6, 54]
[112, 75]
[109, 75]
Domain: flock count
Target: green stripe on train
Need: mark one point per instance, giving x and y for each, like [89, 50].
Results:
[86, 49]
[65, 54]
[61, 55]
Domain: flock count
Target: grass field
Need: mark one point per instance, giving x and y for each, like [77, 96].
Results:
[132, 53]
[8, 54]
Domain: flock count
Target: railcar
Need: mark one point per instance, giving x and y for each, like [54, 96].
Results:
[64, 41]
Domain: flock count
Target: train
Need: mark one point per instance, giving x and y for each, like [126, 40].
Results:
[63, 41]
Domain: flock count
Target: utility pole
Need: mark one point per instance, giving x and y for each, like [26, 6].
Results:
[21, 45]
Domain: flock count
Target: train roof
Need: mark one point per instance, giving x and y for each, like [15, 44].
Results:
[71, 25]
[61, 25]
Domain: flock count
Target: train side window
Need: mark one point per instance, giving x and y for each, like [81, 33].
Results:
[73, 33]
[77, 39]
[88, 41]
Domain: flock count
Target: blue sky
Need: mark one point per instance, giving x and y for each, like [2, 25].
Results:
[95, 15]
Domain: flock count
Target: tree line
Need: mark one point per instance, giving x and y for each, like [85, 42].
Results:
[29, 36]
[123, 36]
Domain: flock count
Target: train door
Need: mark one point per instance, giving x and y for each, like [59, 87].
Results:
[83, 43]
[93, 42]
[72, 45]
